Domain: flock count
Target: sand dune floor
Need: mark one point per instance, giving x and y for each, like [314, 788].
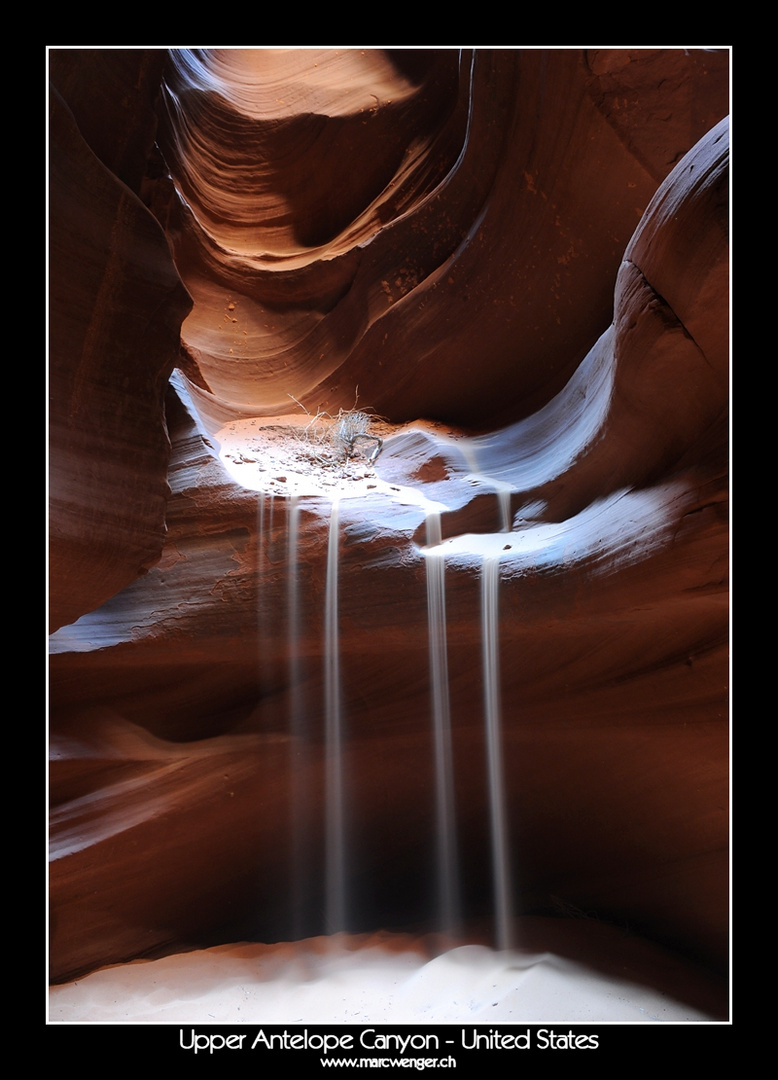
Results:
[585, 972]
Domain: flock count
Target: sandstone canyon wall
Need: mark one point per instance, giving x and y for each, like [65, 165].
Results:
[518, 259]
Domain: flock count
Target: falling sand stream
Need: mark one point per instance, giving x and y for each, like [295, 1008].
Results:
[490, 582]
[334, 793]
[638, 521]
[302, 715]
[447, 884]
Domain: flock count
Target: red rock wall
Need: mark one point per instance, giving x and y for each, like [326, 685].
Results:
[432, 282]
[115, 310]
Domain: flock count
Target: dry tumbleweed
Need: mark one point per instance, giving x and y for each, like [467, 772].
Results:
[336, 440]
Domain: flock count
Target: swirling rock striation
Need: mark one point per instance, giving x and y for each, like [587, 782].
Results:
[413, 276]
[115, 308]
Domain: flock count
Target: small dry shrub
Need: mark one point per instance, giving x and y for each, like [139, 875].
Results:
[336, 440]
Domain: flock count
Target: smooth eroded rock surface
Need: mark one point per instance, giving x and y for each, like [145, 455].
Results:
[115, 307]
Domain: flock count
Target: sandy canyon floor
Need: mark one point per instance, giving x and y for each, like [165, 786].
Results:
[565, 971]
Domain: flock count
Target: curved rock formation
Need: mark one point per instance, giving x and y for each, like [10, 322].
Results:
[465, 274]
[411, 278]
[115, 308]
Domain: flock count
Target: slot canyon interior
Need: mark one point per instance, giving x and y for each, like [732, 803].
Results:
[388, 500]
